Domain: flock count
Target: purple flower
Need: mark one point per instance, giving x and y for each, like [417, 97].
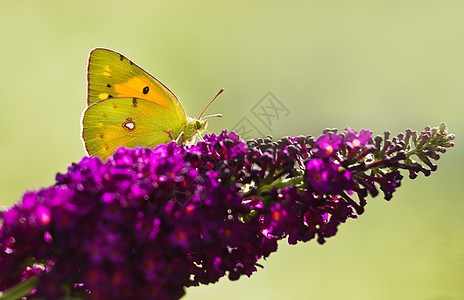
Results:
[354, 140]
[327, 145]
[319, 174]
[328, 177]
[150, 222]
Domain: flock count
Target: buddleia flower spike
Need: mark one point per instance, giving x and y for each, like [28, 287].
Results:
[148, 223]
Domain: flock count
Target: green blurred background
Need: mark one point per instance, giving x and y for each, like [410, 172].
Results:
[379, 65]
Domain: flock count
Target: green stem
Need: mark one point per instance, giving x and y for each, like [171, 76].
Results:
[280, 184]
[20, 290]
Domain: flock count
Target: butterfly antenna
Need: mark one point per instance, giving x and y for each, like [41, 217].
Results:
[220, 91]
[212, 116]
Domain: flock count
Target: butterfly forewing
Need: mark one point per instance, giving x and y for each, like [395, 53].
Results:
[112, 75]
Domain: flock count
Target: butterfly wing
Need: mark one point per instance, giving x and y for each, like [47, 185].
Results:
[129, 122]
[112, 75]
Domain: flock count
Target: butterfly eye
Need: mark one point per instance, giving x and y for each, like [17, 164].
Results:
[197, 124]
[146, 89]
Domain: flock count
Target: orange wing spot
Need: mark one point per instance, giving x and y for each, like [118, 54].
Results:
[136, 88]
[109, 135]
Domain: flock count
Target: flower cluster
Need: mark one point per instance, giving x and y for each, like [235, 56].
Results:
[150, 222]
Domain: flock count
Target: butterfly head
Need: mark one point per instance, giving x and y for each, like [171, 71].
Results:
[193, 128]
[200, 124]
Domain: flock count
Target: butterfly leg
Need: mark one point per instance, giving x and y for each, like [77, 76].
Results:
[180, 138]
[197, 133]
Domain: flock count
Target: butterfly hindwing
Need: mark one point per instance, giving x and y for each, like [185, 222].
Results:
[129, 122]
[112, 75]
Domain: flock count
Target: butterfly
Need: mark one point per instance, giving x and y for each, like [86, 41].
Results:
[126, 106]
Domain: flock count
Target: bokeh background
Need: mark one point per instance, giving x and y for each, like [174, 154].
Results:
[379, 65]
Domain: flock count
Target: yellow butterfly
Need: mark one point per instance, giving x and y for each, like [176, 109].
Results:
[128, 107]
